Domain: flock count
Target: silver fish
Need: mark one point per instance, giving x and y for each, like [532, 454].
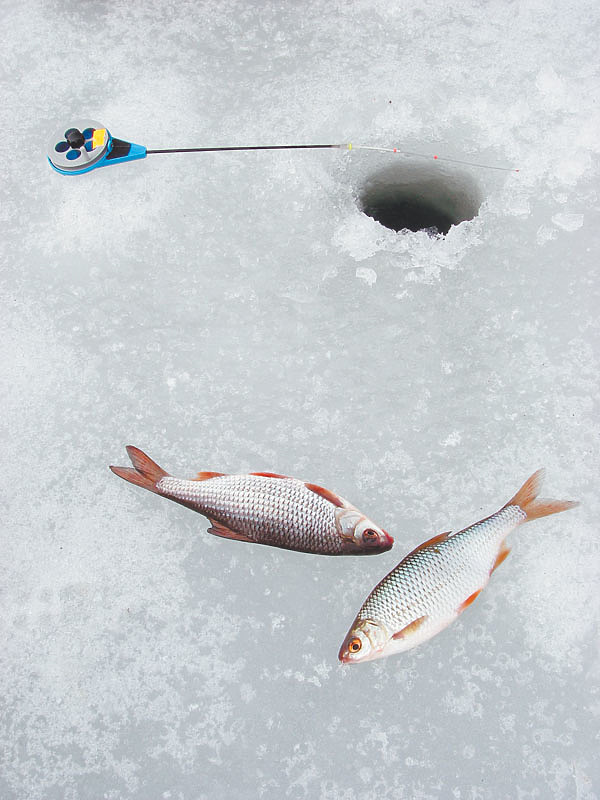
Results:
[265, 508]
[437, 581]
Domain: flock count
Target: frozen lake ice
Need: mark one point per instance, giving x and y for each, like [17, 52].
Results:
[238, 311]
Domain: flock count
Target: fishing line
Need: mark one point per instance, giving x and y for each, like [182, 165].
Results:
[347, 146]
[434, 158]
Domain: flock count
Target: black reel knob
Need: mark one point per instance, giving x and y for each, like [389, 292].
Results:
[75, 138]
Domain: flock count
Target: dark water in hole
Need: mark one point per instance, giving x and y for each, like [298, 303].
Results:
[420, 198]
[417, 215]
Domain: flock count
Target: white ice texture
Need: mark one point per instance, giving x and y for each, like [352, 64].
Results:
[239, 312]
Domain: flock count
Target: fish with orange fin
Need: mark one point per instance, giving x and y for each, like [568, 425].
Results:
[437, 581]
[265, 508]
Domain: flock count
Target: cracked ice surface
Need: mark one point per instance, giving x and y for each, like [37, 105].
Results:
[238, 311]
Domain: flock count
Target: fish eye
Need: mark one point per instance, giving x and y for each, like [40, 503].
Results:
[354, 645]
[370, 536]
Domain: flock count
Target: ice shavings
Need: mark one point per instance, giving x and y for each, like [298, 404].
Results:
[367, 275]
[419, 255]
[568, 222]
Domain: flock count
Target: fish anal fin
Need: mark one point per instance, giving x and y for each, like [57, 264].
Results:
[470, 599]
[327, 495]
[410, 628]
[269, 475]
[502, 554]
[205, 475]
[218, 529]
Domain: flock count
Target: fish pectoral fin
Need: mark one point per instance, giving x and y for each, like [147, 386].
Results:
[410, 628]
[504, 551]
[327, 495]
[218, 529]
[205, 475]
[470, 599]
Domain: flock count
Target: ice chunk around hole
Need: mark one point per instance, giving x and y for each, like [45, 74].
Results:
[419, 197]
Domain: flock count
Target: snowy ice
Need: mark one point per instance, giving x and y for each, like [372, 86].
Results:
[238, 311]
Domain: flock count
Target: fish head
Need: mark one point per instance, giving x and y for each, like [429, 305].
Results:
[365, 641]
[359, 534]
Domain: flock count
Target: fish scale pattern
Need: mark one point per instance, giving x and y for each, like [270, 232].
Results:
[278, 511]
[435, 580]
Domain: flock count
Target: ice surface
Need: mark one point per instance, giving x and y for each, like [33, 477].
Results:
[238, 311]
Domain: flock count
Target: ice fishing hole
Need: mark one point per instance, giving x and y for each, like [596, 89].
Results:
[418, 197]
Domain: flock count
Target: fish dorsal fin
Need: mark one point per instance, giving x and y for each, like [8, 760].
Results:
[410, 628]
[218, 529]
[269, 475]
[206, 476]
[327, 495]
[441, 537]
[470, 599]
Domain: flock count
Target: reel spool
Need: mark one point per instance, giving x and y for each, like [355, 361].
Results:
[86, 145]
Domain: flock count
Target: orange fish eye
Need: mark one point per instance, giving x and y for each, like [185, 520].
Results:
[370, 536]
[354, 645]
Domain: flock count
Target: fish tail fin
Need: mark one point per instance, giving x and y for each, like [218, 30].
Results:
[145, 473]
[527, 499]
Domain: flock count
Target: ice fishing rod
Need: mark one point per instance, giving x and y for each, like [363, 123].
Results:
[86, 145]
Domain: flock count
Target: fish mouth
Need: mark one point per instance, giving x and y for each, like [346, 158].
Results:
[384, 543]
[344, 655]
